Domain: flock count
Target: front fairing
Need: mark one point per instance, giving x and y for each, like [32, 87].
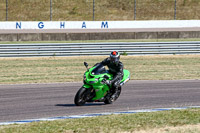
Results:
[95, 81]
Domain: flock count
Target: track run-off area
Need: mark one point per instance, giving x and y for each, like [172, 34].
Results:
[35, 101]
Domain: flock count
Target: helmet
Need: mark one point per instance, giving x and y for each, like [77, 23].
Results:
[114, 57]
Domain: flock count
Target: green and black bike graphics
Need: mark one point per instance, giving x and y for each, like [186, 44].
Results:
[95, 89]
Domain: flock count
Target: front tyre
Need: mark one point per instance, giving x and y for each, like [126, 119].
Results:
[81, 97]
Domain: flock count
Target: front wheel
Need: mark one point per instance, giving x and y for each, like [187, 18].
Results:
[81, 97]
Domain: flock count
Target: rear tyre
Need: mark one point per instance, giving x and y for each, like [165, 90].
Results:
[118, 92]
[113, 97]
[81, 97]
[108, 101]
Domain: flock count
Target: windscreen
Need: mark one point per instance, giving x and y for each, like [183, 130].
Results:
[100, 69]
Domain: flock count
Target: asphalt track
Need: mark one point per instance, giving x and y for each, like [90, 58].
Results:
[32, 101]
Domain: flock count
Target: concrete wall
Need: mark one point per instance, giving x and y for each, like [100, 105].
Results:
[97, 36]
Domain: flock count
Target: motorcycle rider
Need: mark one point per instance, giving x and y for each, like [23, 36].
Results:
[116, 68]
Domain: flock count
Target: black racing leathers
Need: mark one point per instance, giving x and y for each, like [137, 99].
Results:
[116, 70]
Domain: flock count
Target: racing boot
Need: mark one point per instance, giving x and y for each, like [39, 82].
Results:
[115, 93]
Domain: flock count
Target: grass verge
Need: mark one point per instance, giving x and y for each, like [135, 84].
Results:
[63, 10]
[163, 121]
[71, 69]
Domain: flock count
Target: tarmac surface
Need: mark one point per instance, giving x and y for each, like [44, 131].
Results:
[32, 101]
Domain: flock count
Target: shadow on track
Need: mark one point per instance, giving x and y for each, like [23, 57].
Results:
[87, 104]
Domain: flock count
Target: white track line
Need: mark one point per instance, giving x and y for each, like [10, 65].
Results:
[93, 115]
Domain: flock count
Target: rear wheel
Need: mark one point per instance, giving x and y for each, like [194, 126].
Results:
[81, 97]
[108, 101]
[113, 97]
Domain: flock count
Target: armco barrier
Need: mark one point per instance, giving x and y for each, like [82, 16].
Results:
[77, 49]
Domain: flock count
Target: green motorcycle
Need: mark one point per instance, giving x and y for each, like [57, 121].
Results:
[95, 88]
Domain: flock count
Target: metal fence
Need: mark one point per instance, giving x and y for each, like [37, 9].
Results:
[98, 10]
[78, 49]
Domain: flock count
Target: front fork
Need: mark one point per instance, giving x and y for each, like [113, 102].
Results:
[90, 93]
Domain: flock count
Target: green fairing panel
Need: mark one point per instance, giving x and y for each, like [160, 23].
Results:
[87, 86]
[100, 92]
[126, 75]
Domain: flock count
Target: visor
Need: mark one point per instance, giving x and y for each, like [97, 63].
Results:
[114, 60]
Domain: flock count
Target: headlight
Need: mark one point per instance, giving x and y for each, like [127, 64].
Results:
[92, 82]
